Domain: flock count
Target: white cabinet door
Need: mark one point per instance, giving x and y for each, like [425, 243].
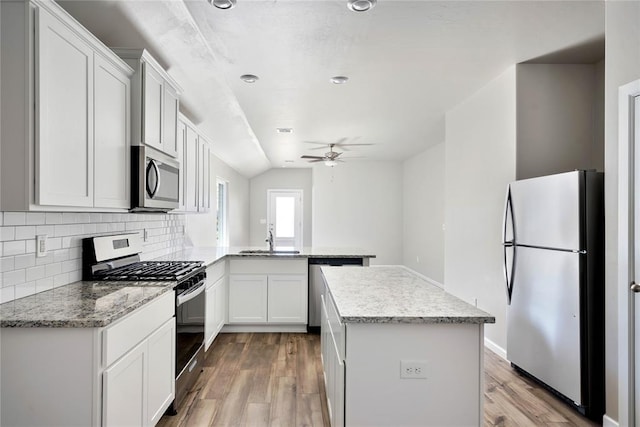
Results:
[204, 183]
[247, 298]
[287, 298]
[161, 371]
[220, 305]
[191, 171]
[153, 89]
[182, 140]
[112, 149]
[124, 390]
[170, 138]
[64, 138]
[209, 316]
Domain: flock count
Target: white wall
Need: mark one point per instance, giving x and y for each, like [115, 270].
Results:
[359, 204]
[284, 179]
[201, 228]
[480, 163]
[622, 65]
[423, 212]
[559, 118]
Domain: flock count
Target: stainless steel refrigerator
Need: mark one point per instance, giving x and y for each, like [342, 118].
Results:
[554, 268]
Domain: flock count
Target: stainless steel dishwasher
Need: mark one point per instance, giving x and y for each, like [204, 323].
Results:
[316, 285]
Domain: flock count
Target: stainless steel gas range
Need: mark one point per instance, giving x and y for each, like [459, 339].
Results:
[117, 258]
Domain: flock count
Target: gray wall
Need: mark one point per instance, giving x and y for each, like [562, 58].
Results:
[283, 179]
[201, 227]
[423, 213]
[359, 204]
[480, 163]
[560, 118]
[622, 65]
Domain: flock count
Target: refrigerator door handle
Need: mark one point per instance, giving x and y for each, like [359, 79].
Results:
[508, 218]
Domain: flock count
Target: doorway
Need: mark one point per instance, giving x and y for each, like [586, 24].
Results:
[284, 217]
[628, 262]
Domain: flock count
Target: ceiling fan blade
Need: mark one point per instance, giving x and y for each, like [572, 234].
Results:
[335, 155]
[317, 160]
[312, 157]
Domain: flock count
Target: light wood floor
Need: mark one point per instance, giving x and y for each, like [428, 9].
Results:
[276, 380]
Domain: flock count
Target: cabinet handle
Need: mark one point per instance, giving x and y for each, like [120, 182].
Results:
[634, 287]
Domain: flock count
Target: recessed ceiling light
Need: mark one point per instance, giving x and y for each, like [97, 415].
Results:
[249, 78]
[361, 5]
[223, 4]
[284, 130]
[339, 80]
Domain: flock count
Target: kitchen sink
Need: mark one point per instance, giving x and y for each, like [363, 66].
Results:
[268, 252]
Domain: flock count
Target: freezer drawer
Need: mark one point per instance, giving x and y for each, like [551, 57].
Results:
[543, 320]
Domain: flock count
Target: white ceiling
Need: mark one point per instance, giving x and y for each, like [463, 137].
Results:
[408, 63]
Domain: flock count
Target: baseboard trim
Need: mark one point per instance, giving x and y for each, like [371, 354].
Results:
[608, 422]
[495, 348]
[264, 328]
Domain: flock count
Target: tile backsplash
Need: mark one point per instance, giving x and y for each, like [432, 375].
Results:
[23, 274]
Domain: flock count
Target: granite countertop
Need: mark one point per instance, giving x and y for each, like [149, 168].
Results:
[80, 305]
[394, 294]
[211, 255]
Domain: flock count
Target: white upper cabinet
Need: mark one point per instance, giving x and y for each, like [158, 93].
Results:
[194, 153]
[64, 110]
[112, 150]
[155, 101]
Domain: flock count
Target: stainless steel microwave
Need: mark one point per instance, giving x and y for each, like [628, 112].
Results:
[156, 182]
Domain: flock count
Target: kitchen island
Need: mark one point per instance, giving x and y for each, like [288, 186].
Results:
[399, 351]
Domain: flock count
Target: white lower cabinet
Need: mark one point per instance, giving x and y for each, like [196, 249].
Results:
[119, 375]
[333, 364]
[215, 302]
[267, 291]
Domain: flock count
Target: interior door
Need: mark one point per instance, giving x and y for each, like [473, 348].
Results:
[284, 217]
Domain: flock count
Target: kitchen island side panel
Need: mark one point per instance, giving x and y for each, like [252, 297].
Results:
[451, 395]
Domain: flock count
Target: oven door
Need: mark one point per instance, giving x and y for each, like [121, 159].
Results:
[157, 183]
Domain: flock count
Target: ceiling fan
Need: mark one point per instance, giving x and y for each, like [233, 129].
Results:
[330, 158]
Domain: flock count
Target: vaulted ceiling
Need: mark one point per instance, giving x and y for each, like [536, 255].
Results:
[408, 62]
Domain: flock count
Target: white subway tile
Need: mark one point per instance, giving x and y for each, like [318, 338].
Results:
[44, 284]
[49, 230]
[47, 259]
[17, 247]
[25, 261]
[89, 229]
[7, 294]
[25, 289]
[1, 218]
[61, 255]
[75, 229]
[53, 218]
[14, 218]
[71, 265]
[7, 264]
[61, 280]
[26, 232]
[84, 218]
[36, 218]
[102, 228]
[7, 233]
[13, 277]
[107, 217]
[53, 269]
[61, 231]
[75, 276]
[70, 218]
[119, 226]
[54, 243]
[96, 217]
[30, 246]
[35, 273]
[75, 253]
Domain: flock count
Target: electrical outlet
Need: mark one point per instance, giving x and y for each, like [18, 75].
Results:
[41, 245]
[413, 369]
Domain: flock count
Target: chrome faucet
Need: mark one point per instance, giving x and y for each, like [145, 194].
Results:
[270, 240]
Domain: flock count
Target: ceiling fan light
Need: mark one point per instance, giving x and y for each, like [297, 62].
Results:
[223, 4]
[330, 163]
[339, 80]
[361, 5]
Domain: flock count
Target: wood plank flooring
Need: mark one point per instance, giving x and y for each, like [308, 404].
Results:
[276, 380]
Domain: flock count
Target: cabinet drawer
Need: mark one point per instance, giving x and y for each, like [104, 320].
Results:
[268, 266]
[337, 327]
[215, 272]
[125, 334]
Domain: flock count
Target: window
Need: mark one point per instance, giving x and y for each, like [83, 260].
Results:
[222, 200]
[284, 217]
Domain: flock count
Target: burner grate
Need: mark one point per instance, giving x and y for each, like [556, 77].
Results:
[151, 270]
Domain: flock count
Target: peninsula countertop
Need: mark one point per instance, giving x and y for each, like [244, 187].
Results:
[84, 304]
[211, 255]
[394, 294]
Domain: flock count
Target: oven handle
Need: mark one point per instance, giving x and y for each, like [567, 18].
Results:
[191, 293]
